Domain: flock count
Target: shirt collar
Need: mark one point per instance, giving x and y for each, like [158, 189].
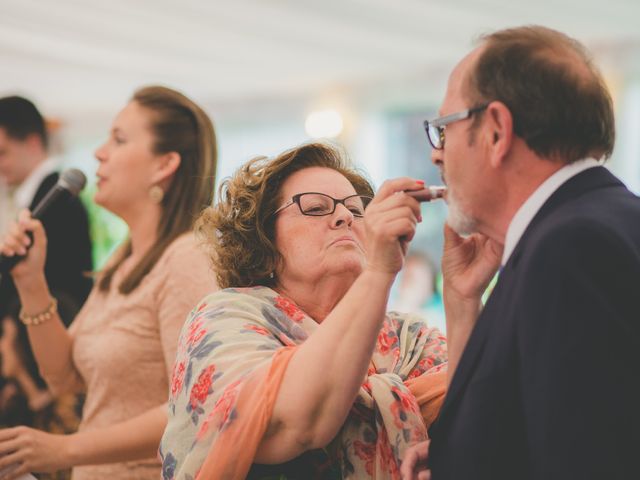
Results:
[534, 203]
[24, 194]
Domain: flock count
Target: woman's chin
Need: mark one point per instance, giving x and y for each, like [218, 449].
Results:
[98, 198]
[350, 264]
[103, 201]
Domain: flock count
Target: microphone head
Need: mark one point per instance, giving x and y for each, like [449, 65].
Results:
[72, 180]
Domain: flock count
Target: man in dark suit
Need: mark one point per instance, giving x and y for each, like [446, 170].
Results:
[27, 171]
[548, 385]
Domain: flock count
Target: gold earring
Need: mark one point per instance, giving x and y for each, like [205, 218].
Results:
[156, 194]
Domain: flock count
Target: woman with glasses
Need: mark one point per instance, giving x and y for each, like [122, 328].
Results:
[295, 370]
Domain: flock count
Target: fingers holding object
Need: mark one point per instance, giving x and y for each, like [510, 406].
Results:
[389, 187]
[22, 235]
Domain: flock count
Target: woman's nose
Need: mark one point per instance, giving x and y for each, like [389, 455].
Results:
[101, 152]
[341, 215]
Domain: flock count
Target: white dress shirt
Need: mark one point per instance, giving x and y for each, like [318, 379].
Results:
[533, 204]
[23, 195]
[6, 207]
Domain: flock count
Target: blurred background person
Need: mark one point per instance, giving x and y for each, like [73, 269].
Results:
[156, 171]
[24, 396]
[296, 371]
[418, 289]
[28, 174]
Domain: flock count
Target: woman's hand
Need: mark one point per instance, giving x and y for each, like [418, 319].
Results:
[17, 242]
[414, 464]
[390, 224]
[24, 450]
[468, 264]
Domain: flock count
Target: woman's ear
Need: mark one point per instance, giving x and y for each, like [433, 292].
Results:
[499, 123]
[167, 165]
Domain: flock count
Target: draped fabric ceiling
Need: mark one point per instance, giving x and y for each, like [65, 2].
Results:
[82, 56]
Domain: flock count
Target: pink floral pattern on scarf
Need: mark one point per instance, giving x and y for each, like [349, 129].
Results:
[234, 332]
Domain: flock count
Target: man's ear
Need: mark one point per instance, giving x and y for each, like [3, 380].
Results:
[168, 164]
[499, 129]
[33, 142]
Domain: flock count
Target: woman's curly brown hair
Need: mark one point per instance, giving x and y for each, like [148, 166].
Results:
[239, 229]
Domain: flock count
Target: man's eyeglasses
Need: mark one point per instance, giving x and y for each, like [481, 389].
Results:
[318, 204]
[435, 128]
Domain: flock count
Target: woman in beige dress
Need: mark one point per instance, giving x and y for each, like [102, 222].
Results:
[156, 172]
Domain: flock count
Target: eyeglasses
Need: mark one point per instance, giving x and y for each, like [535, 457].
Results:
[435, 128]
[318, 204]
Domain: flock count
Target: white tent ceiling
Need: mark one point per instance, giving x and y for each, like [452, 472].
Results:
[79, 57]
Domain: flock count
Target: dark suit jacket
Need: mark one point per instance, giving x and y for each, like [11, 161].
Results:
[68, 253]
[548, 386]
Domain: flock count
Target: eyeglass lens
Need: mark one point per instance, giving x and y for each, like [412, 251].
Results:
[318, 204]
[435, 136]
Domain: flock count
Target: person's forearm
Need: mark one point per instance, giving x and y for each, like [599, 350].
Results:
[26, 383]
[323, 377]
[134, 439]
[461, 316]
[36, 398]
[50, 341]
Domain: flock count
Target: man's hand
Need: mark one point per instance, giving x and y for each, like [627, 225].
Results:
[469, 264]
[414, 465]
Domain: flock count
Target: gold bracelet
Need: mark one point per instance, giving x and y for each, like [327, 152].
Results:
[41, 317]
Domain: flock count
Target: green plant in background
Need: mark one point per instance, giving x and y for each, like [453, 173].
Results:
[107, 231]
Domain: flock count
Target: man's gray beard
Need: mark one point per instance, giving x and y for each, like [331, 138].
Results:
[459, 221]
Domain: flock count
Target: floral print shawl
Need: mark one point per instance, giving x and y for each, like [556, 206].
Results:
[232, 355]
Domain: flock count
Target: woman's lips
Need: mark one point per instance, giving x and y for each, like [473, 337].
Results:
[343, 239]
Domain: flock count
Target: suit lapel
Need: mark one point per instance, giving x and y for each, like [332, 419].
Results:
[44, 187]
[476, 343]
[590, 179]
[593, 178]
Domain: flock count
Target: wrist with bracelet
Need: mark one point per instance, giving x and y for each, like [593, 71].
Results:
[41, 317]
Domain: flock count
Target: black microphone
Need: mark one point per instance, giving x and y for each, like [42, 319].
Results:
[70, 183]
